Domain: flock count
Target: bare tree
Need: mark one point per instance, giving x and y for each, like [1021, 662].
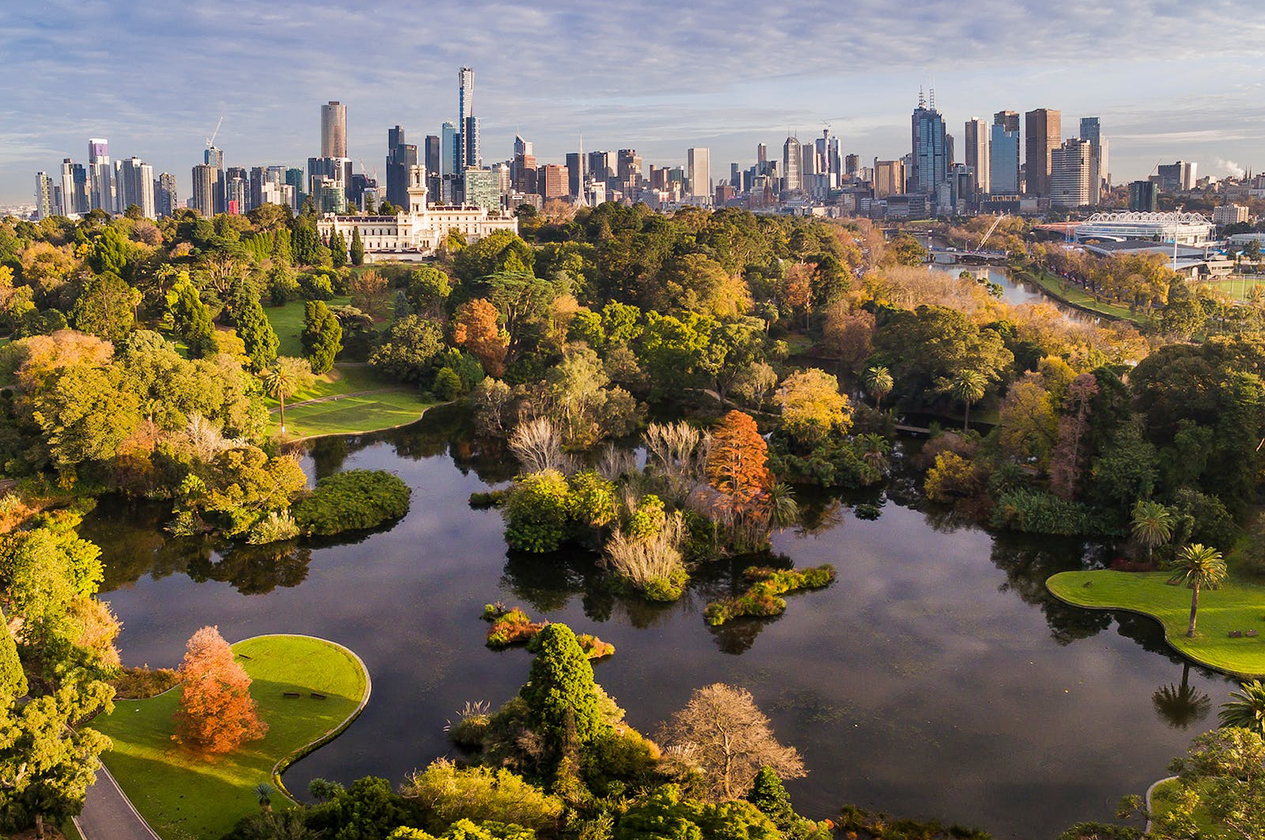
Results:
[538, 446]
[723, 730]
[677, 453]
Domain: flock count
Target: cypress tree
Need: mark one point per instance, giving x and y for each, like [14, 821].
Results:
[560, 694]
[255, 331]
[770, 796]
[338, 250]
[357, 248]
[322, 336]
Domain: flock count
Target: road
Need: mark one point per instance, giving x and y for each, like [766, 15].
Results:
[109, 815]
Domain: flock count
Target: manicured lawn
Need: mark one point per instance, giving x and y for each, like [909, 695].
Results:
[183, 795]
[287, 323]
[1236, 605]
[1235, 287]
[352, 415]
[1077, 296]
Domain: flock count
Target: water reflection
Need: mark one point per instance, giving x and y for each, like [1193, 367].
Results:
[935, 677]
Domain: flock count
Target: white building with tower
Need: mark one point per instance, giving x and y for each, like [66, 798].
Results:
[418, 229]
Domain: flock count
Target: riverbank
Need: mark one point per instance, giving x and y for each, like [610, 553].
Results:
[183, 795]
[1236, 606]
[1073, 295]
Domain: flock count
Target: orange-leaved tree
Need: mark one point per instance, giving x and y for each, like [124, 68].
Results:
[216, 712]
[737, 464]
[476, 329]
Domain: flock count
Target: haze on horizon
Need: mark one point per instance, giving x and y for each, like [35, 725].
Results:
[1169, 79]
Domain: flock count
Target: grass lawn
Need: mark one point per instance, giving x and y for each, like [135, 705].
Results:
[287, 323]
[1162, 803]
[185, 796]
[352, 415]
[1235, 287]
[1076, 296]
[1235, 605]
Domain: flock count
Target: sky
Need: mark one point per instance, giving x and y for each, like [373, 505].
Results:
[1169, 79]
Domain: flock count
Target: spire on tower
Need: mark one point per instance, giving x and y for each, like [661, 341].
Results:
[922, 101]
[933, 99]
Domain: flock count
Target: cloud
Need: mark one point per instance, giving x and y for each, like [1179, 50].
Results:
[155, 76]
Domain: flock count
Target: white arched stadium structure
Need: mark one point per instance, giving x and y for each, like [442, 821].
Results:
[1182, 228]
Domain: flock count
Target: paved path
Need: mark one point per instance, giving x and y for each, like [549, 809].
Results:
[109, 815]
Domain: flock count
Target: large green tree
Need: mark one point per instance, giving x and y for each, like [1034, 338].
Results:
[560, 693]
[322, 336]
[255, 330]
[106, 307]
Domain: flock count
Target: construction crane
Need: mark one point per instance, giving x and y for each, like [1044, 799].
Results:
[210, 141]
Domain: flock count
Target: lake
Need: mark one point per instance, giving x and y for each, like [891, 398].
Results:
[934, 678]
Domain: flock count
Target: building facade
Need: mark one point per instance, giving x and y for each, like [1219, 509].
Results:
[1071, 168]
[334, 130]
[1044, 130]
[419, 229]
[698, 163]
[930, 149]
[976, 138]
[1091, 131]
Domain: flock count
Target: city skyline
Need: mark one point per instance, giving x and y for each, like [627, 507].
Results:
[627, 100]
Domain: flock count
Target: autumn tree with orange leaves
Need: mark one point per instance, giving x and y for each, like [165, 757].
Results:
[737, 467]
[476, 329]
[216, 712]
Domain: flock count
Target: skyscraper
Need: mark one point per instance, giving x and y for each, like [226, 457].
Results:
[45, 205]
[470, 139]
[165, 200]
[1009, 120]
[976, 157]
[136, 186]
[1091, 131]
[1044, 134]
[401, 157]
[792, 164]
[433, 154]
[575, 174]
[465, 109]
[889, 177]
[75, 193]
[851, 164]
[930, 148]
[100, 174]
[334, 130]
[1071, 165]
[206, 185]
[698, 163]
[1003, 154]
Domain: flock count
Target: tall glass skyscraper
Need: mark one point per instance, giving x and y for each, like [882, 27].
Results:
[465, 109]
[930, 149]
[1003, 160]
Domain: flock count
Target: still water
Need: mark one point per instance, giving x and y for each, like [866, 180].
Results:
[934, 678]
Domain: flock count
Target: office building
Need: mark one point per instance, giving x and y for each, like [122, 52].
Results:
[165, 199]
[889, 177]
[1091, 132]
[1071, 168]
[851, 164]
[792, 165]
[76, 195]
[1144, 196]
[294, 177]
[334, 130]
[698, 162]
[1177, 177]
[1009, 120]
[276, 192]
[101, 175]
[450, 140]
[1044, 134]
[465, 109]
[930, 148]
[433, 154]
[470, 139]
[1229, 214]
[575, 174]
[136, 186]
[962, 189]
[975, 137]
[45, 200]
[1003, 158]
[551, 181]
[236, 192]
[482, 189]
[206, 185]
[401, 156]
[628, 169]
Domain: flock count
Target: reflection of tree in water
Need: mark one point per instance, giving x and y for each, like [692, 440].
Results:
[133, 543]
[1181, 705]
[1028, 562]
[329, 453]
[255, 569]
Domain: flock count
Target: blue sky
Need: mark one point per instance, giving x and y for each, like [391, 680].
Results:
[1169, 79]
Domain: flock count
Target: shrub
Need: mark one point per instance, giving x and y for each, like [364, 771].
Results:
[447, 384]
[352, 501]
[139, 683]
[648, 554]
[764, 596]
[316, 286]
[620, 755]
[448, 793]
[513, 626]
[274, 527]
[1039, 512]
[536, 512]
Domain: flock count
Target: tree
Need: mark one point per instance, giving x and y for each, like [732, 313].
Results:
[357, 247]
[322, 336]
[812, 406]
[410, 350]
[737, 462]
[726, 733]
[12, 677]
[285, 378]
[560, 694]
[476, 329]
[105, 308]
[338, 249]
[369, 292]
[1152, 524]
[85, 413]
[192, 319]
[1197, 566]
[46, 766]
[216, 712]
[878, 382]
[1247, 708]
[263, 793]
[426, 291]
[1220, 782]
[967, 387]
[306, 243]
[255, 330]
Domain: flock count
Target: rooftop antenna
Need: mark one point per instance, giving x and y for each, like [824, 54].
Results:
[922, 100]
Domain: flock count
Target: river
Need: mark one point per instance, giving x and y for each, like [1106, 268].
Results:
[934, 678]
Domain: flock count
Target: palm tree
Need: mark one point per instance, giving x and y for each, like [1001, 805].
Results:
[968, 387]
[1247, 709]
[286, 377]
[874, 451]
[878, 381]
[783, 509]
[1152, 524]
[1183, 704]
[263, 792]
[1197, 566]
